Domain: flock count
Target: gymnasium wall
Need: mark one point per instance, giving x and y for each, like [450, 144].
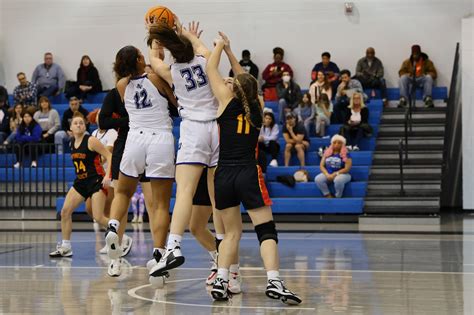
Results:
[71, 28]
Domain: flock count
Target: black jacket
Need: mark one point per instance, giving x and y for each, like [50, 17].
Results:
[91, 79]
[249, 67]
[67, 118]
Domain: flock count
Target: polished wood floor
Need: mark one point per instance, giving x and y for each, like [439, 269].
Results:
[335, 273]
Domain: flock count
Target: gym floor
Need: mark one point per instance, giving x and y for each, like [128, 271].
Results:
[336, 269]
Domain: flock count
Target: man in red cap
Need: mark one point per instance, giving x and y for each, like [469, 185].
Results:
[425, 73]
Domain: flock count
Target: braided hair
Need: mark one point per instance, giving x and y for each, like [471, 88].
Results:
[246, 90]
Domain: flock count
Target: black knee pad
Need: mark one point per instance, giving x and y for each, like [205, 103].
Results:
[266, 231]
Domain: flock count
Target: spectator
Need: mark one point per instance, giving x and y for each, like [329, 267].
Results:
[320, 86]
[369, 72]
[335, 166]
[289, 95]
[64, 136]
[356, 123]
[329, 68]
[268, 141]
[273, 73]
[48, 77]
[345, 90]
[306, 113]
[425, 73]
[15, 121]
[296, 139]
[4, 97]
[26, 93]
[4, 121]
[88, 80]
[323, 115]
[48, 118]
[28, 133]
[247, 64]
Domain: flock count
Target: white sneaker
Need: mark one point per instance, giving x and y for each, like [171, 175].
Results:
[349, 147]
[16, 165]
[212, 277]
[135, 219]
[34, 164]
[276, 290]
[127, 242]
[140, 219]
[61, 251]
[112, 242]
[274, 163]
[171, 260]
[103, 250]
[115, 268]
[235, 283]
[355, 148]
[219, 290]
[154, 261]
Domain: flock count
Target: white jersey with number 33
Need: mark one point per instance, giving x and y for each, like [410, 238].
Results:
[195, 98]
[147, 108]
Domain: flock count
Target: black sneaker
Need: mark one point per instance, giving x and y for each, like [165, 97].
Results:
[402, 103]
[277, 290]
[171, 260]
[219, 290]
[114, 251]
[428, 102]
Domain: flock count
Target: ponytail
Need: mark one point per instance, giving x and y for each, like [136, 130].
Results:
[179, 46]
[246, 91]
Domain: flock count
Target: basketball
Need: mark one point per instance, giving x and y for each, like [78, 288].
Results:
[160, 14]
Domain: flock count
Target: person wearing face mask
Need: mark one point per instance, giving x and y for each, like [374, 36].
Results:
[247, 65]
[289, 95]
[425, 73]
[369, 72]
[273, 73]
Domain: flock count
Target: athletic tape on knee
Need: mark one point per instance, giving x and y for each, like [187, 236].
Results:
[266, 231]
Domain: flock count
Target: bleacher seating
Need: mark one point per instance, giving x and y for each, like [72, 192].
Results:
[304, 198]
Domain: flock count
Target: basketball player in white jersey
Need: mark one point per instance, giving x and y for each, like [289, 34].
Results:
[150, 143]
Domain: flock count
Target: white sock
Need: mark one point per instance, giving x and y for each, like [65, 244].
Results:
[220, 237]
[161, 250]
[273, 275]
[114, 223]
[234, 268]
[223, 274]
[213, 255]
[173, 241]
[66, 243]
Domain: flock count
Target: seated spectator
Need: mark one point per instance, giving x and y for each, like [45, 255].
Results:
[4, 121]
[28, 133]
[296, 139]
[48, 118]
[329, 68]
[356, 123]
[369, 72]
[289, 95]
[48, 77]
[273, 73]
[88, 80]
[26, 93]
[306, 113]
[4, 97]
[335, 166]
[247, 64]
[15, 121]
[63, 137]
[425, 73]
[320, 86]
[323, 115]
[345, 90]
[268, 141]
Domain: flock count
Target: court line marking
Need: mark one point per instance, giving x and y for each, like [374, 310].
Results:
[262, 269]
[16, 250]
[132, 293]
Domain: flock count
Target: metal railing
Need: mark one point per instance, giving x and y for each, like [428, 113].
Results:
[401, 149]
[26, 187]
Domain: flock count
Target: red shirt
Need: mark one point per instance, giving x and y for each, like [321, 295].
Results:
[271, 78]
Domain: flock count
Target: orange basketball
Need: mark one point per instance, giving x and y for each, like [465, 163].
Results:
[160, 14]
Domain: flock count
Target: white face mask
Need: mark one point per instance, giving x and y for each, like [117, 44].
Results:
[286, 78]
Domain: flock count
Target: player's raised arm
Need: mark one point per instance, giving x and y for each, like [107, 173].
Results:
[156, 54]
[234, 63]
[221, 92]
[193, 34]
